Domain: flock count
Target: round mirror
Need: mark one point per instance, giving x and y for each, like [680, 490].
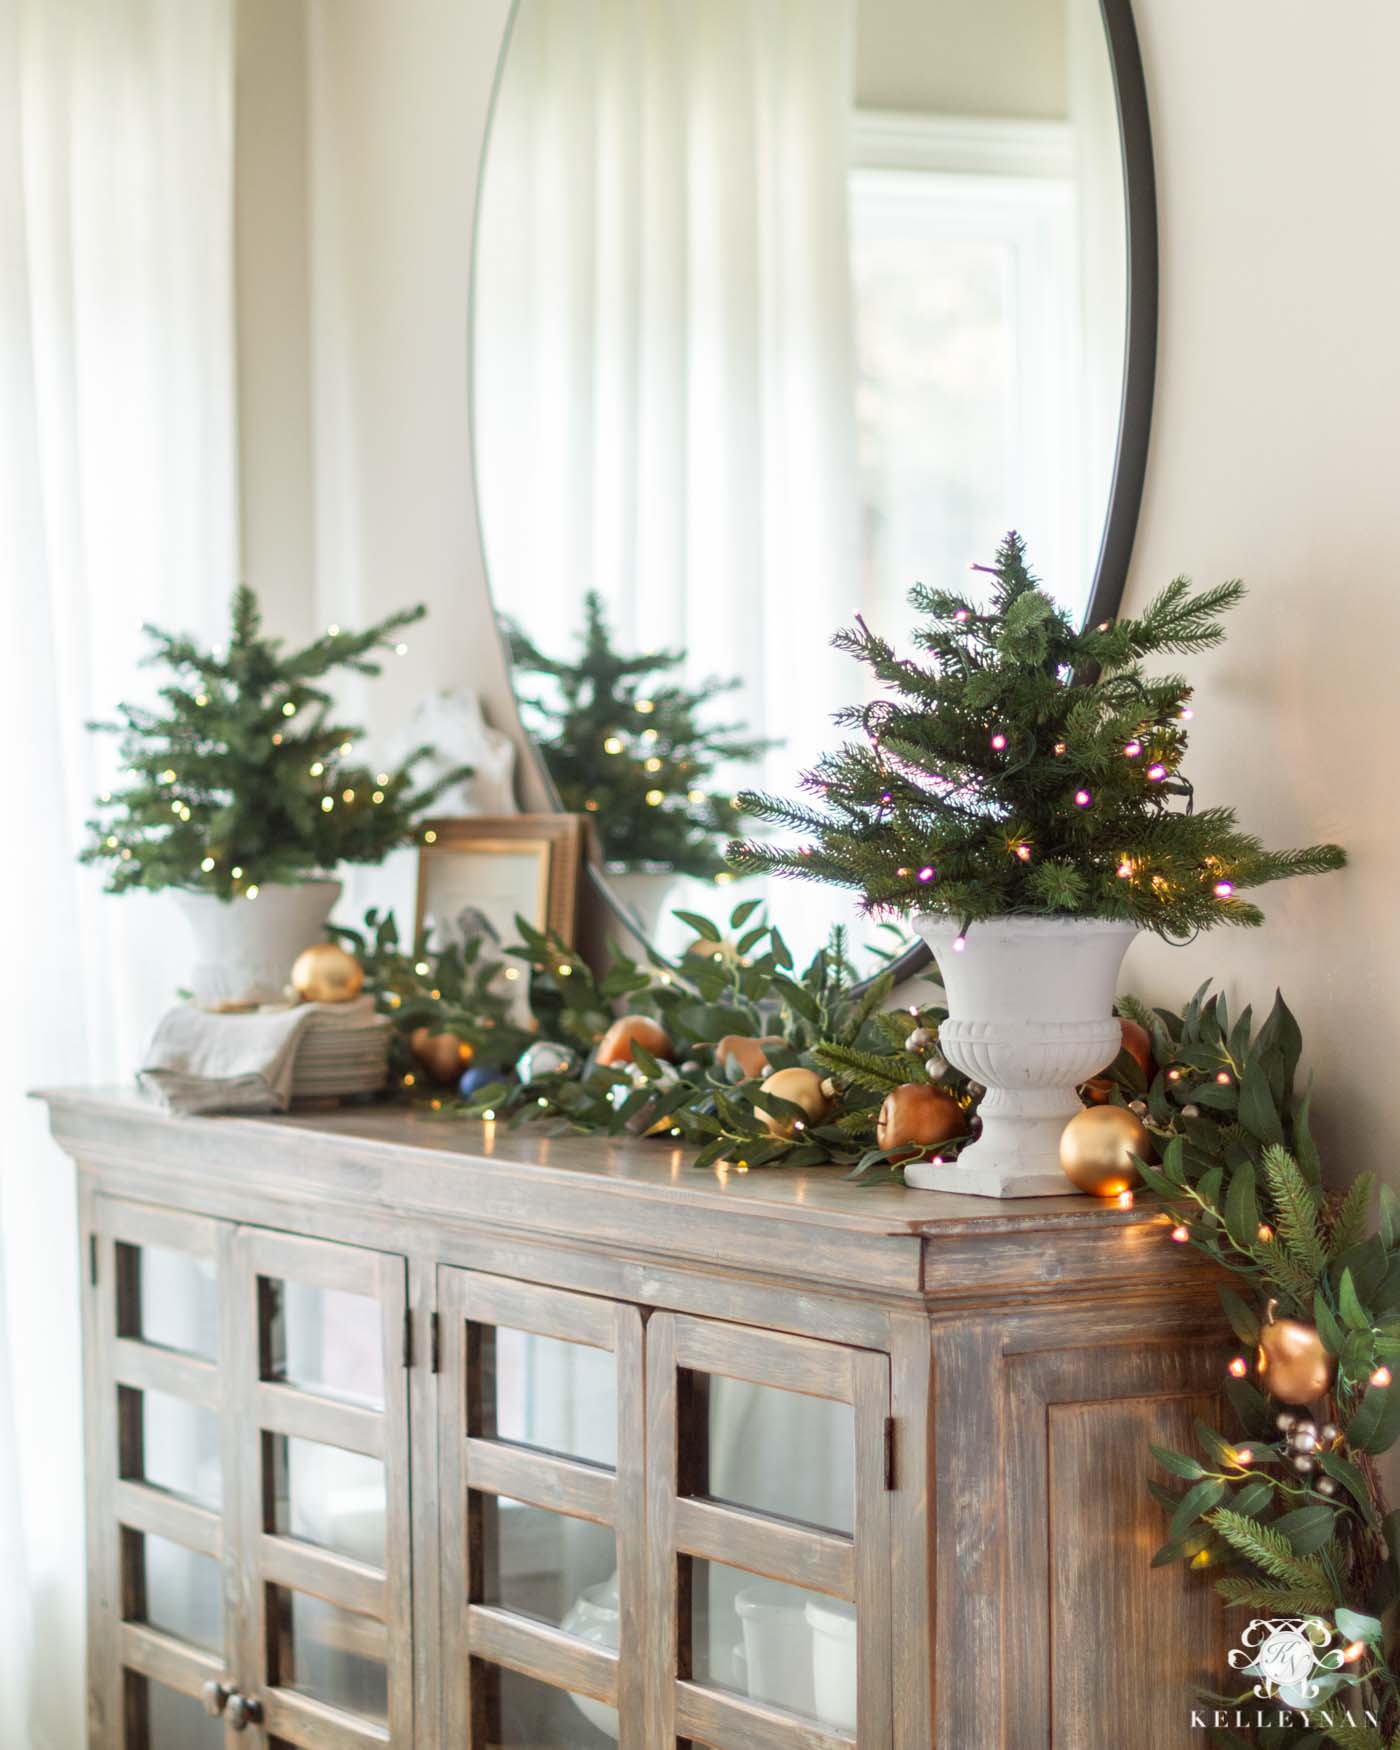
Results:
[780, 307]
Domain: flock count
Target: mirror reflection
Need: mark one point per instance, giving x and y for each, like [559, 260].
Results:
[780, 307]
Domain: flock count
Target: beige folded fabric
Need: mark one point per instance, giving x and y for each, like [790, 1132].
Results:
[202, 1062]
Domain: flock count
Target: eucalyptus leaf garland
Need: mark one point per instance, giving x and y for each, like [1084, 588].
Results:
[1288, 1515]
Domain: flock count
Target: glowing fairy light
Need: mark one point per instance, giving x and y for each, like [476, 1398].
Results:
[959, 944]
[927, 873]
[1224, 889]
[1157, 772]
[1082, 799]
[998, 741]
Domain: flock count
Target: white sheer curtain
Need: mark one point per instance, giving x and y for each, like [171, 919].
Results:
[663, 356]
[117, 504]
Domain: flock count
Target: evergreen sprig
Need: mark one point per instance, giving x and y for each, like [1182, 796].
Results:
[1020, 765]
[632, 748]
[242, 775]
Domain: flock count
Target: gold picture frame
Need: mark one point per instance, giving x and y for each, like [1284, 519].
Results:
[501, 865]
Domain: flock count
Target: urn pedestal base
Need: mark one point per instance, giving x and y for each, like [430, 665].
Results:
[1030, 1017]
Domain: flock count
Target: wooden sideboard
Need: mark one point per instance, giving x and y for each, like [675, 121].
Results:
[370, 1395]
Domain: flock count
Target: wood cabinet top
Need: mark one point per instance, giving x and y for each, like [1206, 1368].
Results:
[633, 1193]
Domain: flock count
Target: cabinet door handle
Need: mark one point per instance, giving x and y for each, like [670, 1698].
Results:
[215, 1697]
[242, 1711]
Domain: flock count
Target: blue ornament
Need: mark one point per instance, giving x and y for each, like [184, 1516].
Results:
[479, 1076]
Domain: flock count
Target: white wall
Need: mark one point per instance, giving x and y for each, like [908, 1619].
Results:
[1275, 455]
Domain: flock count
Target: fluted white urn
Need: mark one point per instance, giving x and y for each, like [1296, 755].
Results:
[1030, 1017]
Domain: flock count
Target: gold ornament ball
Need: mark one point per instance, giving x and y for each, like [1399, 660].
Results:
[443, 1055]
[1097, 1149]
[327, 974]
[918, 1114]
[803, 1087]
[1294, 1366]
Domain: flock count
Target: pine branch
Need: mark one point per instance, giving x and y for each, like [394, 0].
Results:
[1269, 1550]
[1295, 1211]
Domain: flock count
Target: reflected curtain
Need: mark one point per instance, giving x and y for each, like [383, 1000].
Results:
[664, 377]
[117, 503]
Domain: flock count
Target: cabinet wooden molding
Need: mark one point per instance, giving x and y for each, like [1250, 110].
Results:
[403, 1433]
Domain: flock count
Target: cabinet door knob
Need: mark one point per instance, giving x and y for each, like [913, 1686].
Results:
[215, 1696]
[242, 1711]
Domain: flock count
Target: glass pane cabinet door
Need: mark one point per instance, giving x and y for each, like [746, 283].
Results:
[322, 1437]
[542, 1514]
[768, 1538]
[163, 1518]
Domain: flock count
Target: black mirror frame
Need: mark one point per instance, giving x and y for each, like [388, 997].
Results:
[1135, 406]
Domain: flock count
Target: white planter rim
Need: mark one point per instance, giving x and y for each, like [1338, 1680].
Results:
[264, 886]
[945, 923]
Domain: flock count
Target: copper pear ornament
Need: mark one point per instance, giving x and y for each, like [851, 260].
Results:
[1294, 1366]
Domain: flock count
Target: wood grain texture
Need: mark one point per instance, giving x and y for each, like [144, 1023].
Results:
[560, 1485]
[822, 1561]
[629, 1195]
[732, 1722]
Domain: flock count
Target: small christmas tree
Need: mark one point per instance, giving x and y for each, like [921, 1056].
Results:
[242, 776]
[1027, 767]
[629, 747]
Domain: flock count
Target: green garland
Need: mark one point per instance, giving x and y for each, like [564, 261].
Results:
[745, 983]
[1294, 1526]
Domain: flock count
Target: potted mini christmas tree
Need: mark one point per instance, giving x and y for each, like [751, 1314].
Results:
[1018, 789]
[243, 795]
[626, 743]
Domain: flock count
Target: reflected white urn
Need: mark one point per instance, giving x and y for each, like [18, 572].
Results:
[1030, 1017]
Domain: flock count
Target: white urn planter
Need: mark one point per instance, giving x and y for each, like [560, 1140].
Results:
[1030, 1017]
[644, 895]
[244, 948]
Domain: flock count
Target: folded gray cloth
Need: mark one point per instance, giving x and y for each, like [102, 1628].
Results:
[203, 1062]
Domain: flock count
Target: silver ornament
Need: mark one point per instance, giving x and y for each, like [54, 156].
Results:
[1302, 1465]
[1325, 1486]
[1139, 1107]
[1303, 1441]
[919, 1040]
[1328, 1431]
[545, 1058]
[1286, 1422]
[1190, 1111]
[935, 1069]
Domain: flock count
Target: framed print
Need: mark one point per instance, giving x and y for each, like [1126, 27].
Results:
[478, 873]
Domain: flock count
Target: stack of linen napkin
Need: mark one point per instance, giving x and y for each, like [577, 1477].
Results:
[261, 1062]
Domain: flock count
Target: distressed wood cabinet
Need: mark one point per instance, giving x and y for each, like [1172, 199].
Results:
[405, 1433]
